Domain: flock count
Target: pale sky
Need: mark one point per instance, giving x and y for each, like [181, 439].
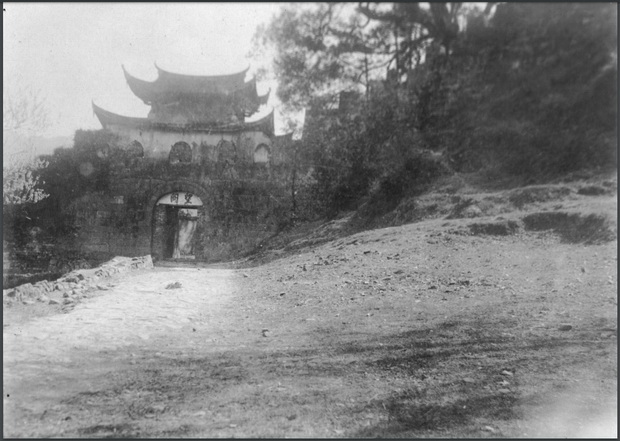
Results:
[73, 52]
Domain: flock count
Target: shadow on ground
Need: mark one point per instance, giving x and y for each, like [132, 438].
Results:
[451, 379]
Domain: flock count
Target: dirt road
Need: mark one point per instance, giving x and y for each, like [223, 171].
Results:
[412, 331]
[54, 357]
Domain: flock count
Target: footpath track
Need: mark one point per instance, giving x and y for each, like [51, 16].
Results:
[137, 313]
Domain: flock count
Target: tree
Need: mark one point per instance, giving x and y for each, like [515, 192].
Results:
[20, 182]
[327, 47]
[532, 91]
[25, 114]
[329, 56]
[521, 90]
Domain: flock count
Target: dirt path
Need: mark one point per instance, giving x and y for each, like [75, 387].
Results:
[48, 355]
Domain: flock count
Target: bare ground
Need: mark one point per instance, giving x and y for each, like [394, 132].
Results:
[431, 329]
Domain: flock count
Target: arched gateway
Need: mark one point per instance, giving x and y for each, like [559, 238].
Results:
[175, 219]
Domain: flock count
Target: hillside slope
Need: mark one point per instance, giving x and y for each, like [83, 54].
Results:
[581, 205]
[502, 325]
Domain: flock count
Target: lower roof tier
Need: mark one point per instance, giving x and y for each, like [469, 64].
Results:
[107, 118]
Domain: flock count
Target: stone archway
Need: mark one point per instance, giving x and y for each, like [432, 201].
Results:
[175, 218]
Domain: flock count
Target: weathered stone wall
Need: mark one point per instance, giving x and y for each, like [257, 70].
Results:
[243, 202]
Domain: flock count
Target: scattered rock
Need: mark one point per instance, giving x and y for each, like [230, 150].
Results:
[565, 328]
[54, 302]
[593, 190]
[74, 278]
[489, 429]
[469, 380]
[504, 391]
[77, 281]
[471, 211]
[503, 228]
[507, 373]
[28, 302]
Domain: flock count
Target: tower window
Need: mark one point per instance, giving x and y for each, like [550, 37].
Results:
[262, 154]
[180, 152]
[136, 149]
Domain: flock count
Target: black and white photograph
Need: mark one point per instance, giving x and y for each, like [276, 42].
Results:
[334, 220]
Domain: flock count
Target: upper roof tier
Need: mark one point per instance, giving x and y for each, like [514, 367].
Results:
[169, 87]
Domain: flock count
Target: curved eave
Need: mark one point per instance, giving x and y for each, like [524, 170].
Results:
[145, 90]
[265, 124]
[262, 99]
[107, 118]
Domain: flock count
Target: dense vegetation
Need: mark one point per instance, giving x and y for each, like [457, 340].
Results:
[519, 90]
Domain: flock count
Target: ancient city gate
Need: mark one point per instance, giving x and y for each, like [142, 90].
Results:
[175, 218]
